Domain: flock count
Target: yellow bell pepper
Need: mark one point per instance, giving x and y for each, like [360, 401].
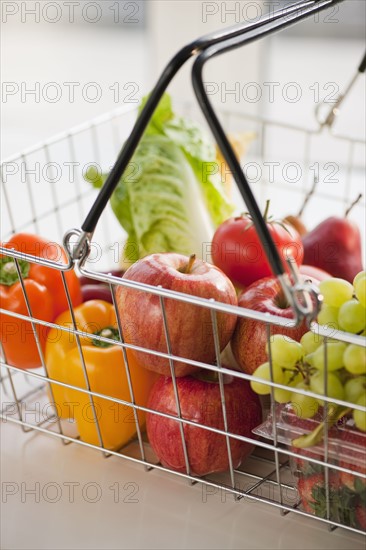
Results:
[106, 372]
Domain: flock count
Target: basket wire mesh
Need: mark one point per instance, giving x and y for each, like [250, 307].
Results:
[264, 476]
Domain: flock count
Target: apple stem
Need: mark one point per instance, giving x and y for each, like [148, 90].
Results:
[308, 196]
[209, 376]
[266, 210]
[215, 376]
[192, 259]
[352, 205]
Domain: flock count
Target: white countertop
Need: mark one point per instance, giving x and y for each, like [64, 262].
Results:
[56, 496]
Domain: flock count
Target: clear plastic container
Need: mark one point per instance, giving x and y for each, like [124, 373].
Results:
[329, 476]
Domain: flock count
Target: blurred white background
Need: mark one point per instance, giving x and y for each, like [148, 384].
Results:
[66, 62]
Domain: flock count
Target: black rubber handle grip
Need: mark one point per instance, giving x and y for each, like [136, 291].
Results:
[362, 67]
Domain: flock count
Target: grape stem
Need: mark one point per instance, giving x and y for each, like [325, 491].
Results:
[313, 438]
[303, 372]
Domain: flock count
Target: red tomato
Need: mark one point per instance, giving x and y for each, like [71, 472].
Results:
[237, 250]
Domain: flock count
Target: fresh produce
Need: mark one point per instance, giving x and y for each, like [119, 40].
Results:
[106, 372]
[93, 289]
[249, 340]
[340, 309]
[310, 341]
[292, 367]
[314, 273]
[346, 491]
[304, 406]
[290, 378]
[334, 385]
[335, 246]
[323, 489]
[360, 513]
[189, 326]
[297, 223]
[84, 281]
[360, 416]
[200, 402]
[359, 284]
[312, 492]
[96, 292]
[354, 359]
[335, 291]
[354, 388]
[352, 317]
[353, 443]
[45, 292]
[285, 352]
[169, 200]
[238, 251]
[266, 372]
[332, 368]
[329, 316]
[333, 356]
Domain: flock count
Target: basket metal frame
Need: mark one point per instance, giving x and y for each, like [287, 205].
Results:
[12, 382]
[12, 378]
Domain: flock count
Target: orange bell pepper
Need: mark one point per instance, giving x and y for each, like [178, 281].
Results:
[106, 375]
[46, 294]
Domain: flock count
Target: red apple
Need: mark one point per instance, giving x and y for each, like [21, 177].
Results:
[250, 336]
[85, 281]
[189, 326]
[96, 292]
[200, 402]
[314, 273]
[335, 245]
[93, 289]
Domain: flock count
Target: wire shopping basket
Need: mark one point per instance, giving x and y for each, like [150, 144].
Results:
[267, 474]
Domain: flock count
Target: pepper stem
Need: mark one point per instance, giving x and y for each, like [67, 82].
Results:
[9, 272]
[106, 332]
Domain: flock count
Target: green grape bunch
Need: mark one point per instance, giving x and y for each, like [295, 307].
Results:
[322, 366]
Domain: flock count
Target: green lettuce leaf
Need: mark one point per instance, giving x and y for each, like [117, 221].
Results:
[167, 200]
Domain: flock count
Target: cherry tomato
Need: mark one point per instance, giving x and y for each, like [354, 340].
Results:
[238, 251]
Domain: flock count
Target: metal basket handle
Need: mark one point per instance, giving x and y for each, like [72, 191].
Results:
[333, 112]
[206, 47]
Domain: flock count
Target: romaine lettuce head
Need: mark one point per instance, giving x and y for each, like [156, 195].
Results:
[159, 203]
[167, 200]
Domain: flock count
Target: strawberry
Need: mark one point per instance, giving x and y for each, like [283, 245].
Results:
[313, 494]
[303, 466]
[360, 515]
[304, 424]
[353, 452]
[352, 509]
